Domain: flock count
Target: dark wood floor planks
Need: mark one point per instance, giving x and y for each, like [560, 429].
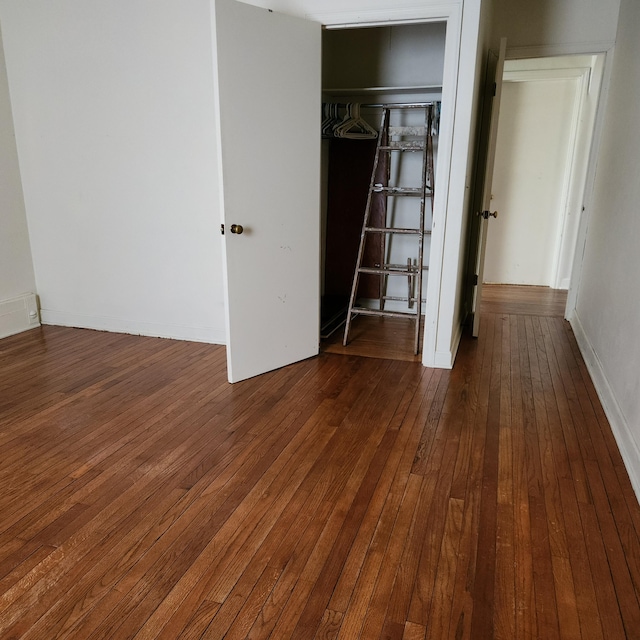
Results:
[343, 497]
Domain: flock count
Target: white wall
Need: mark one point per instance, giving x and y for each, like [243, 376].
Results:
[16, 267]
[569, 24]
[113, 108]
[395, 56]
[114, 122]
[607, 316]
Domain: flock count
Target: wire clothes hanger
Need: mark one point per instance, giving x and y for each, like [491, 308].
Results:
[353, 125]
[331, 118]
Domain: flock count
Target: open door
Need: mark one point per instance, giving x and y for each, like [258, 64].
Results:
[494, 80]
[269, 96]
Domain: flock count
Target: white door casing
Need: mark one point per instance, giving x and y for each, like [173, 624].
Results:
[546, 125]
[267, 83]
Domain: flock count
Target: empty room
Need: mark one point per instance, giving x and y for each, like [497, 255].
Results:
[187, 451]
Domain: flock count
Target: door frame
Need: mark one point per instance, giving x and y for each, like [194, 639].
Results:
[596, 136]
[604, 49]
[572, 178]
[440, 339]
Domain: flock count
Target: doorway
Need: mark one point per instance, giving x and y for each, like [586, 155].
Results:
[547, 118]
[391, 64]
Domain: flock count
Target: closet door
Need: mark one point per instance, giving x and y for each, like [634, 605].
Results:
[269, 96]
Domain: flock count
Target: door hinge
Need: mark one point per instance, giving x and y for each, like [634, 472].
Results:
[222, 229]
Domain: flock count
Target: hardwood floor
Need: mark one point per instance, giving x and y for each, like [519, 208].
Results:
[392, 338]
[376, 337]
[523, 300]
[343, 497]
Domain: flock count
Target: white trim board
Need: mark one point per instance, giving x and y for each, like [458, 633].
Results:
[18, 314]
[384, 16]
[628, 447]
[133, 327]
[445, 359]
[552, 50]
[581, 238]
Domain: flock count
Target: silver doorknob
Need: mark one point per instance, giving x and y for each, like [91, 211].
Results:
[237, 229]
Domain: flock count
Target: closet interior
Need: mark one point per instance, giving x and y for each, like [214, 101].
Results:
[364, 70]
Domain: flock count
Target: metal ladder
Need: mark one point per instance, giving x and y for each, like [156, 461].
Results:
[394, 140]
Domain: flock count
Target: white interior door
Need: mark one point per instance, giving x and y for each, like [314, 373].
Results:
[486, 186]
[269, 96]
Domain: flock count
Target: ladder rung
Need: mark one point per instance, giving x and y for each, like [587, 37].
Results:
[400, 191]
[406, 131]
[402, 266]
[364, 311]
[413, 232]
[403, 299]
[390, 270]
[403, 146]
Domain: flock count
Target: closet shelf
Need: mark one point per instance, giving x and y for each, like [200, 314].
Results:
[373, 90]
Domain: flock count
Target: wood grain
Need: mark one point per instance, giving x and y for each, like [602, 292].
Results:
[344, 497]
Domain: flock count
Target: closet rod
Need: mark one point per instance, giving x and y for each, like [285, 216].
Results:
[372, 90]
[388, 105]
[391, 105]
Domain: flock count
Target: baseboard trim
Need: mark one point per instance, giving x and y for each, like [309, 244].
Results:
[18, 314]
[445, 359]
[622, 433]
[117, 325]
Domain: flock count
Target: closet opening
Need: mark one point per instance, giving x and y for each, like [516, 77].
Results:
[364, 70]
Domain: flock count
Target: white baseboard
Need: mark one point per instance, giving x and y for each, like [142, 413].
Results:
[18, 314]
[619, 425]
[444, 359]
[437, 360]
[117, 325]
